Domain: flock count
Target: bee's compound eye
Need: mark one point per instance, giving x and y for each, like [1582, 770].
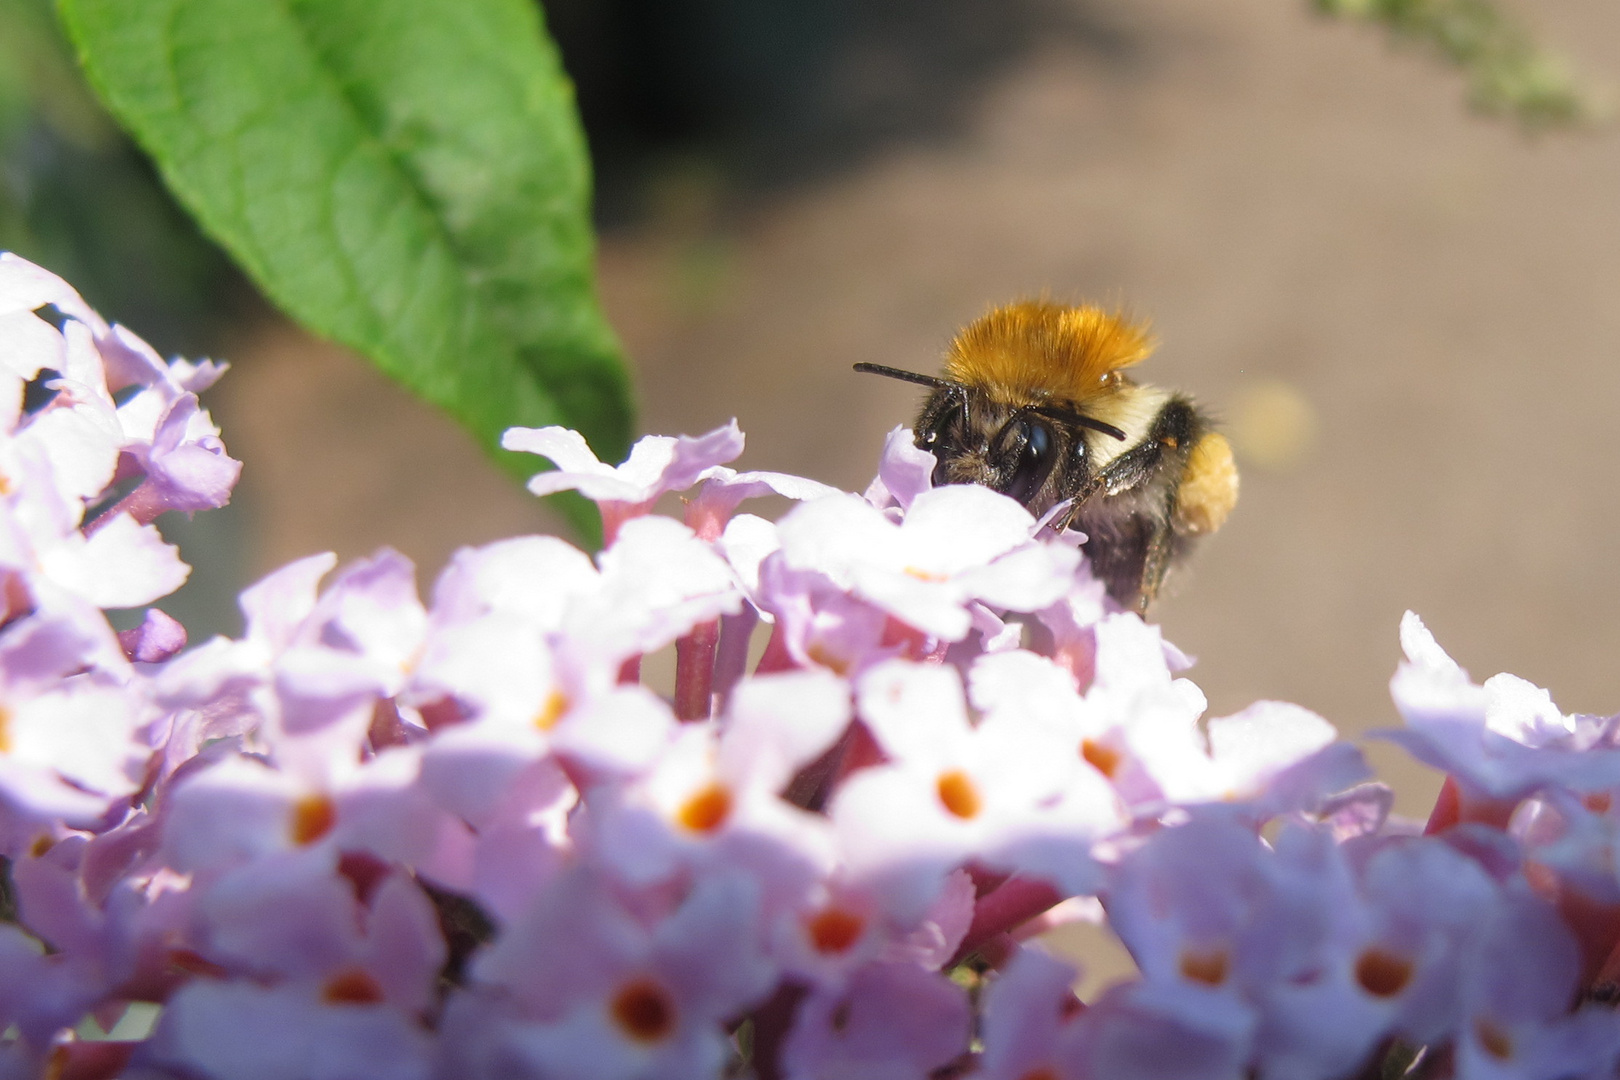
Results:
[1034, 461]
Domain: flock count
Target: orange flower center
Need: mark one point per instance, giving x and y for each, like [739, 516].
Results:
[1383, 974]
[835, 930]
[644, 1010]
[312, 818]
[352, 986]
[1208, 968]
[707, 810]
[1497, 1043]
[1102, 757]
[960, 796]
[556, 704]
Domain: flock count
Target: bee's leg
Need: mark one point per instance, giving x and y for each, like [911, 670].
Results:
[1155, 562]
[1173, 433]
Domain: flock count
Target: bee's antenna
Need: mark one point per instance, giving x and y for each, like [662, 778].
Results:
[1069, 417]
[908, 376]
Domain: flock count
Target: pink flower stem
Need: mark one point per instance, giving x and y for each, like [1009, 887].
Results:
[731, 659]
[1004, 908]
[772, 1022]
[145, 504]
[90, 1060]
[694, 670]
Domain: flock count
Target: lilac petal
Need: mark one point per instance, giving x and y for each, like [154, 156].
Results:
[277, 605]
[622, 732]
[82, 733]
[725, 489]
[1360, 811]
[692, 456]
[28, 344]
[196, 376]
[82, 444]
[189, 473]
[904, 472]
[1144, 1031]
[155, 640]
[371, 608]
[1252, 748]
[1025, 1010]
[1024, 580]
[894, 1020]
[940, 932]
[566, 448]
[130, 361]
[229, 813]
[656, 463]
[26, 287]
[1504, 739]
[778, 724]
[657, 582]
[533, 578]
[249, 1032]
[955, 528]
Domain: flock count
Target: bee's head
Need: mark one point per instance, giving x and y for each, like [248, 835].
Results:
[977, 441]
[1013, 449]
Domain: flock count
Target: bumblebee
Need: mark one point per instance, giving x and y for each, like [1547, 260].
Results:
[1034, 403]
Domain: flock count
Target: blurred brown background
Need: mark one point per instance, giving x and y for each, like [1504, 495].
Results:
[1405, 313]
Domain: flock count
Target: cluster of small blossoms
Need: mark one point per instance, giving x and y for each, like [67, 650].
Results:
[908, 731]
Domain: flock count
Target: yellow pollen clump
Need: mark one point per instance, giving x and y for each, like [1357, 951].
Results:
[1209, 486]
[933, 577]
[644, 1010]
[958, 793]
[707, 810]
[312, 817]
[5, 730]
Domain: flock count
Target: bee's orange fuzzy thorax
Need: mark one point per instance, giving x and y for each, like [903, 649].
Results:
[1038, 351]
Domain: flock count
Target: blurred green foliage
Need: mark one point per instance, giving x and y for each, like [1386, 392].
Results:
[1508, 72]
[78, 197]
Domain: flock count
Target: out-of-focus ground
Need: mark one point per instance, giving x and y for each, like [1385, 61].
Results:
[1409, 317]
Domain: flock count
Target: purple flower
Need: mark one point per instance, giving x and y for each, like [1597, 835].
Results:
[1503, 740]
[1030, 1019]
[950, 792]
[956, 545]
[657, 464]
[642, 997]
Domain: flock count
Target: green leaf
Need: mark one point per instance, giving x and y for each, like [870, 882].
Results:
[406, 177]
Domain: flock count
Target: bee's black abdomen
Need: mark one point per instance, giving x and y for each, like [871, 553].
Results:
[1128, 518]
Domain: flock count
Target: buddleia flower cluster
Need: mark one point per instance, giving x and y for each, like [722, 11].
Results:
[460, 836]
